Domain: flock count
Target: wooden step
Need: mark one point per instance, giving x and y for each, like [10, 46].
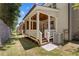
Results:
[44, 40]
[45, 43]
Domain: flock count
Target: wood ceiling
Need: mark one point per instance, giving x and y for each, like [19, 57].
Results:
[41, 17]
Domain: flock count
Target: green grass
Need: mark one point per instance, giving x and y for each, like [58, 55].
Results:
[25, 47]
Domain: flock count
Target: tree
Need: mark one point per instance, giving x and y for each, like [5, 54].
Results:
[75, 5]
[9, 13]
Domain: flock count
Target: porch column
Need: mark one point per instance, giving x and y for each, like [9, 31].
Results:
[37, 25]
[48, 28]
[29, 25]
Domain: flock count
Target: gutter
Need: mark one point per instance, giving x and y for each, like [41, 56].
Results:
[69, 21]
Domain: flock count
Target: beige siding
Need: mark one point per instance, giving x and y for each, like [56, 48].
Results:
[75, 21]
[62, 22]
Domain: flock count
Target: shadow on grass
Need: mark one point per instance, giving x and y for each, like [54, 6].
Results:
[8, 44]
[65, 42]
[75, 41]
[2, 49]
[28, 43]
[72, 41]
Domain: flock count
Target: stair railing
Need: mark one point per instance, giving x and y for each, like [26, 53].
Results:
[40, 37]
[47, 35]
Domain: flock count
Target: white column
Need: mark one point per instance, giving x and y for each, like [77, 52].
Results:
[56, 23]
[49, 23]
[29, 25]
[48, 28]
[37, 15]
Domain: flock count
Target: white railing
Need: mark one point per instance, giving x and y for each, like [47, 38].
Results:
[27, 32]
[33, 33]
[40, 37]
[51, 33]
[45, 33]
[57, 37]
[48, 36]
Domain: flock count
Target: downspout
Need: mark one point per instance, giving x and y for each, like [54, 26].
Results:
[69, 21]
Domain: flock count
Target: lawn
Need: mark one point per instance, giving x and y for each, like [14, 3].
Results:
[19, 46]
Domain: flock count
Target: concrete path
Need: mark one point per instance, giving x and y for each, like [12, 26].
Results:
[49, 47]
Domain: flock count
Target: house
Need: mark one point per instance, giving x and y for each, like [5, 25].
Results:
[4, 32]
[50, 22]
[74, 23]
[20, 29]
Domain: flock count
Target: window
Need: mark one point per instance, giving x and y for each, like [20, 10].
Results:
[31, 25]
[52, 26]
[34, 25]
[50, 6]
[23, 26]
[54, 5]
[27, 24]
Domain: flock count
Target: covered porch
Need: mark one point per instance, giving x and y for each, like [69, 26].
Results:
[41, 27]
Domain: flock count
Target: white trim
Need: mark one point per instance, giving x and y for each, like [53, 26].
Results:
[29, 26]
[48, 27]
[37, 24]
[40, 8]
[56, 21]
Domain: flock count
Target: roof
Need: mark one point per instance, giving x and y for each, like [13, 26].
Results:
[31, 10]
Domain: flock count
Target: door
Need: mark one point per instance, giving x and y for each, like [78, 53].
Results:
[42, 28]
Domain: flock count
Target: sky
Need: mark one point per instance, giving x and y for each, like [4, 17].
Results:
[24, 9]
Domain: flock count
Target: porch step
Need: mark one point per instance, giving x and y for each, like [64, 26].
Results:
[44, 43]
[44, 40]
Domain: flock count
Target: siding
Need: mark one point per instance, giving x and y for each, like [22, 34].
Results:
[62, 22]
[75, 21]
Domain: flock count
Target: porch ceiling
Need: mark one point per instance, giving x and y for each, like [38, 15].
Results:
[41, 17]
